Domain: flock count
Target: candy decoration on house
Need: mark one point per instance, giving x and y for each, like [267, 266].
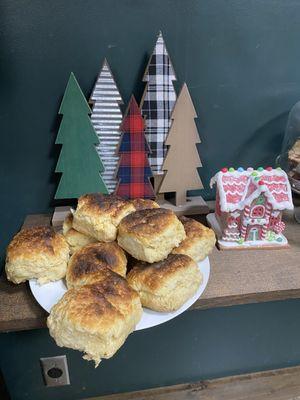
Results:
[252, 201]
[232, 232]
[134, 171]
[182, 160]
[106, 118]
[78, 161]
[157, 104]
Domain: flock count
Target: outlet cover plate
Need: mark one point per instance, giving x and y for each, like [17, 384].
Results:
[59, 372]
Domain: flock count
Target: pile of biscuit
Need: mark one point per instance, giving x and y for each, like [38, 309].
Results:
[105, 295]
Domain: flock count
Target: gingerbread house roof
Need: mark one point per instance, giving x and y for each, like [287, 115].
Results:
[238, 188]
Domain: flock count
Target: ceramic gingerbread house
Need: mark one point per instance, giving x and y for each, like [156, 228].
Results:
[249, 206]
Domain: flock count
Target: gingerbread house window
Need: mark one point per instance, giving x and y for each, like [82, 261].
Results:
[257, 211]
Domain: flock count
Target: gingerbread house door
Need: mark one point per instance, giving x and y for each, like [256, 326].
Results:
[253, 233]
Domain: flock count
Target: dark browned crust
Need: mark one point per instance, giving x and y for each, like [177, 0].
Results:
[147, 222]
[105, 203]
[33, 240]
[193, 228]
[94, 257]
[153, 274]
[112, 285]
[143, 204]
[90, 303]
[111, 295]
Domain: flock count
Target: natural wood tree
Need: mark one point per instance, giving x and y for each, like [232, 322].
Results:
[182, 159]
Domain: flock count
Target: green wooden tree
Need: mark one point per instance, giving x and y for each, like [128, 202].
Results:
[79, 161]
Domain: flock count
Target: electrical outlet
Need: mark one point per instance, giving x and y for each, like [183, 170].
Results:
[55, 371]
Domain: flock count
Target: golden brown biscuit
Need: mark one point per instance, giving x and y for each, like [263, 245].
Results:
[166, 285]
[98, 215]
[97, 318]
[86, 262]
[143, 204]
[199, 241]
[150, 235]
[39, 253]
[75, 239]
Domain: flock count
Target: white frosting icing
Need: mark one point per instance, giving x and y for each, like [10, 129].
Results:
[254, 243]
[255, 221]
[225, 207]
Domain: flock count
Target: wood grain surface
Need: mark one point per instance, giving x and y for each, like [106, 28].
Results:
[236, 278]
[280, 384]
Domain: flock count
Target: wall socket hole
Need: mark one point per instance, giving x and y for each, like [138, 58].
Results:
[55, 372]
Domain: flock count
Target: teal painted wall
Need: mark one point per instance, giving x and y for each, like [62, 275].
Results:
[240, 59]
[196, 345]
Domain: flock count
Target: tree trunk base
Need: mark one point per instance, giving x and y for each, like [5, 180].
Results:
[193, 205]
[157, 180]
[59, 216]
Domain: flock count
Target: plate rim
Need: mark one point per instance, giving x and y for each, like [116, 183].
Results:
[168, 315]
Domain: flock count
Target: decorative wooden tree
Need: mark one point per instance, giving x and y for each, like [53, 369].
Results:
[157, 103]
[182, 159]
[134, 170]
[78, 162]
[106, 118]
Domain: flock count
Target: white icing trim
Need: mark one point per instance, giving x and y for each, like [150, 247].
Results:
[255, 243]
[257, 221]
[260, 189]
[275, 214]
[230, 235]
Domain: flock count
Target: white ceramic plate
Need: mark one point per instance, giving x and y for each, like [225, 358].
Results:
[49, 294]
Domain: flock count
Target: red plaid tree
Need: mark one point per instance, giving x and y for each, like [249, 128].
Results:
[134, 171]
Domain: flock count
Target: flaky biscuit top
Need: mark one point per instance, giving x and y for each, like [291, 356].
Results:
[92, 257]
[97, 203]
[31, 241]
[94, 306]
[147, 222]
[153, 275]
[194, 229]
[143, 204]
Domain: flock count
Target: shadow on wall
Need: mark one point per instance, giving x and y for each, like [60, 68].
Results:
[3, 390]
[270, 137]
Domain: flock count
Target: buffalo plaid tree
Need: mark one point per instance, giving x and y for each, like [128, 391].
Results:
[158, 101]
[134, 171]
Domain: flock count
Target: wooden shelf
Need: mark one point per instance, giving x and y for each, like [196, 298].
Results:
[236, 278]
[280, 384]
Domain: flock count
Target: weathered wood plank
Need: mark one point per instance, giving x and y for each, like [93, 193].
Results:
[281, 384]
[36, 220]
[236, 278]
[254, 276]
[18, 308]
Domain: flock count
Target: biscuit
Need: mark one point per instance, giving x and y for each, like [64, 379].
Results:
[150, 235]
[166, 285]
[75, 239]
[86, 262]
[98, 215]
[143, 204]
[199, 241]
[96, 318]
[39, 253]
